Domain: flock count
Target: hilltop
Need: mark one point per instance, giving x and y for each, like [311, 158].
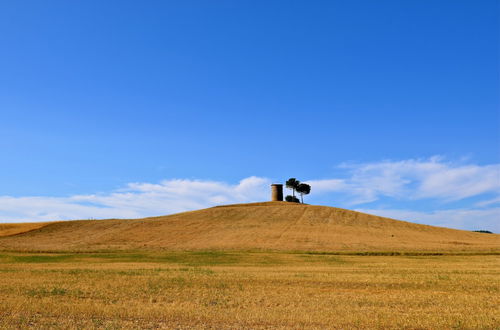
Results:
[257, 226]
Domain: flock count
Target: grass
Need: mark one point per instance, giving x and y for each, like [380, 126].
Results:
[277, 226]
[7, 229]
[214, 289]
[259, 266]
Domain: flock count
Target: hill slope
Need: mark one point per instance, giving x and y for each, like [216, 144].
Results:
[8, 229]
[271, 225]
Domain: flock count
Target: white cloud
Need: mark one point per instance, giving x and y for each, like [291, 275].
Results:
[136, 200]
[489, 202]
[390, 182]
[468, 219]
[413, 179]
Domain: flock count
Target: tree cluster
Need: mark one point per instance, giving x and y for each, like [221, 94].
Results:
[300, 188]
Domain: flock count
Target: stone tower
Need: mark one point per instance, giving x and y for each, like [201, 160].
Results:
[276, 192]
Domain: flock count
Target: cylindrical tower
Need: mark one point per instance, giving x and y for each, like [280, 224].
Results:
[277, 192]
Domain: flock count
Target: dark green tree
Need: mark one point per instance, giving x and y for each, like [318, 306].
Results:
[292, 199]
[292, 183]
[303, 189]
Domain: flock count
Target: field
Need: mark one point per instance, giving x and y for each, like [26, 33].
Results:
[278, 226]
[209, 289]
[8, 229]
[259, 266]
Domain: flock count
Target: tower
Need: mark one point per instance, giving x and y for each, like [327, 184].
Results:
[277, 192]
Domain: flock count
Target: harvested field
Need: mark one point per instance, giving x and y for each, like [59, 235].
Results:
[277, 226]
[248, 290]
[259, 266]
[9, 229]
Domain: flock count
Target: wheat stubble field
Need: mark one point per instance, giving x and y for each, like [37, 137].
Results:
[248, 290]
[249, 266]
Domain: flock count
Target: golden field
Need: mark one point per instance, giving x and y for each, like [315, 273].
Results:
[235, 290]
[249, 266]
[277, 226]
[8, 229]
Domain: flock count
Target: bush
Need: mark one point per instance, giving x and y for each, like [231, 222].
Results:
[292, 199]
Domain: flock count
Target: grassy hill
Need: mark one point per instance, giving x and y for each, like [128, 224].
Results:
[259, 226]
[8, 229]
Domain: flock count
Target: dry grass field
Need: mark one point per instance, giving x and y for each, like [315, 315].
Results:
[234, 290]
[258, 266]
[8, 229]
[277, 226]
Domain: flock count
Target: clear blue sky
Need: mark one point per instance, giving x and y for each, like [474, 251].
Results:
[95, 95]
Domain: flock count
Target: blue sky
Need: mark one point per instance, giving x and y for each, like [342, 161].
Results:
[388, 107]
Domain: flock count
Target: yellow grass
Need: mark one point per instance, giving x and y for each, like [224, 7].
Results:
[259, 266]
[8, 229]
[277, 226]
[234, 290]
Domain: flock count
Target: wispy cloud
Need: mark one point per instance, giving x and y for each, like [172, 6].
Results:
[413, 179]
[135, 200]
[489, 202]
[470, 219]
[387, 185]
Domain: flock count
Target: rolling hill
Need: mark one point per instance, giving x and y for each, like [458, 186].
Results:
[258, 226]
[8, 229]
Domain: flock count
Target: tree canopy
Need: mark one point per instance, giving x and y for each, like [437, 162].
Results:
[297, 186]
[303, 189]
[292, 183]
[290, 198]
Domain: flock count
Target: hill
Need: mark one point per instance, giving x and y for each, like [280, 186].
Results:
[269, 226]
[8, 229]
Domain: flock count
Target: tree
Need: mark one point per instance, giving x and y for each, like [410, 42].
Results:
[293, 199]
[303, 189]
[292, 183]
